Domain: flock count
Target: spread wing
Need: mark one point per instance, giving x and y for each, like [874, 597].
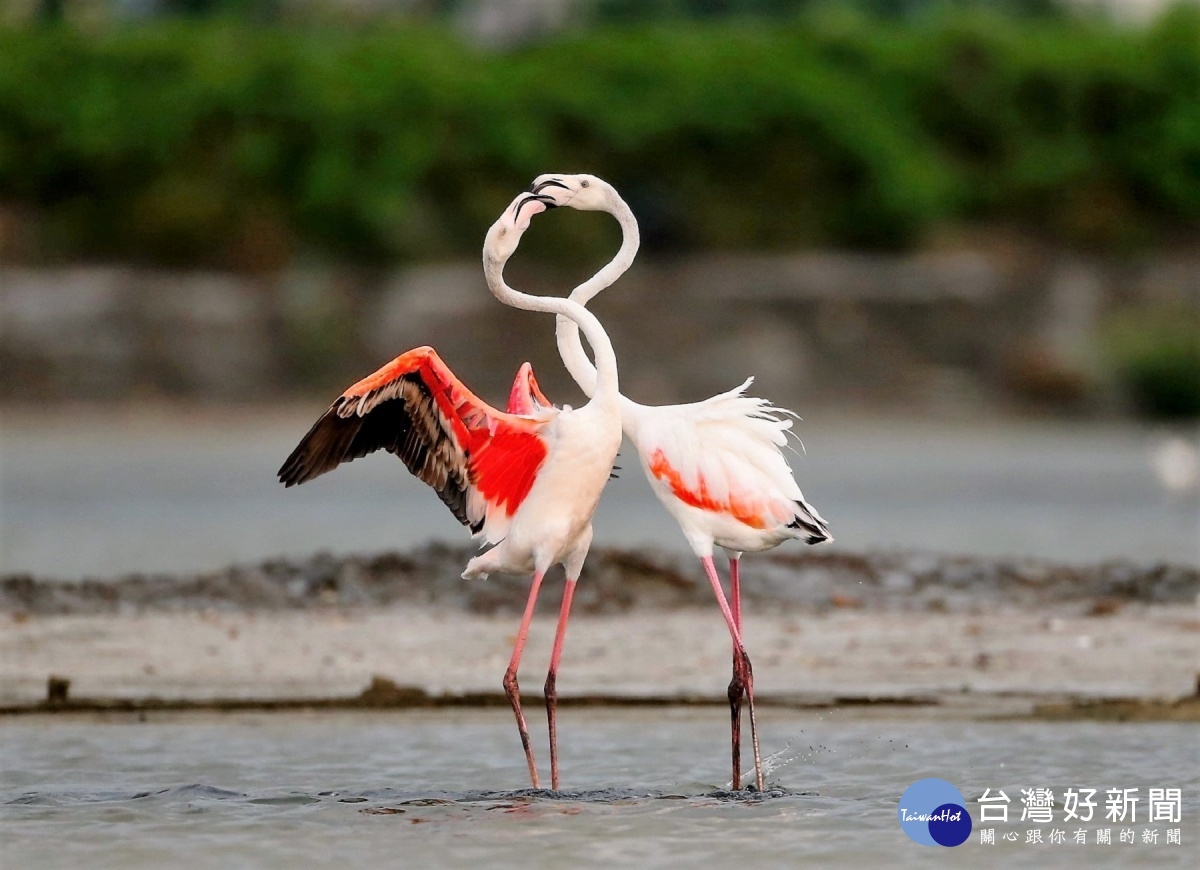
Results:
[480, 461]
[724, 455]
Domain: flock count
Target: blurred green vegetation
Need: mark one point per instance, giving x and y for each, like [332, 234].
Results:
[216, 143]
[1155, 354]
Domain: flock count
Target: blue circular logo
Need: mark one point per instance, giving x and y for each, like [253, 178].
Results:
[933, 813]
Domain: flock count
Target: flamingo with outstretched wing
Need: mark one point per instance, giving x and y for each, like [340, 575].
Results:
[528, 483]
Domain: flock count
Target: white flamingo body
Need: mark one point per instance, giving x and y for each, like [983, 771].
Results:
[554, 523]
[717, 466]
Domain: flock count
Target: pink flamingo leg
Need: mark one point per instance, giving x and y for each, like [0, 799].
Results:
[735, 592]
[747, 671]
[737, 686]
[552, 679]
[510, 678]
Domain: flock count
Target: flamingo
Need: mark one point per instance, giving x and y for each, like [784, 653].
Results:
[717, 466]
[528, 483]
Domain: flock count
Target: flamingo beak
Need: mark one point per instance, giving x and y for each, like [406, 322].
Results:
[530, 204]
[545, 202]
[548, 183]
[555, 189]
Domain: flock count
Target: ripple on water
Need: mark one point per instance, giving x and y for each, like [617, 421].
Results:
[358, 790]
[396, 798]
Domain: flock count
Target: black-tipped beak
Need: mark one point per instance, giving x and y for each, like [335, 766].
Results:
[548, 183]
[544, 200]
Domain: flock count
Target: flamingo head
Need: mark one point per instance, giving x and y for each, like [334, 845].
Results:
[505, 234]
[583, 192]
[526, 396]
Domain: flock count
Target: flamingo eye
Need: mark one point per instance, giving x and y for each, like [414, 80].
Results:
[585, 183]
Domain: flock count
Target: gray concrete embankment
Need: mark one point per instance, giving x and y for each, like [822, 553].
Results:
[954, 330]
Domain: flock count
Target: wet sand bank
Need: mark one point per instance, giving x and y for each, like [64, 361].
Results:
[966, 636]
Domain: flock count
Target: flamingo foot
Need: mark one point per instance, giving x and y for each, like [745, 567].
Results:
[511, 689]
[551, 687]
[737, 690]
[551, 693]
[748, 679]
[742, 669]
[514, 697]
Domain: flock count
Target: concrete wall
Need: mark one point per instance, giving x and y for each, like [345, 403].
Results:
[952, 331]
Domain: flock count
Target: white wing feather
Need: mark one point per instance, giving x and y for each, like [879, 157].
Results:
[732, 443]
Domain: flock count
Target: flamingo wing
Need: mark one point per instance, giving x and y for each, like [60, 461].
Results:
[724, 455]
[526, 397]
[480, 461]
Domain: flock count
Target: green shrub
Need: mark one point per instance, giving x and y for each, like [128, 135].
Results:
[1156, 356]
[183, 142]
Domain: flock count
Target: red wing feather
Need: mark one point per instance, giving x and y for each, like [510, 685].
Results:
[415, 408]
[505, 466]
[744, 510]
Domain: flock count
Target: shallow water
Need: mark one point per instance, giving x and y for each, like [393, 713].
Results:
[643, 788]
[194, 495]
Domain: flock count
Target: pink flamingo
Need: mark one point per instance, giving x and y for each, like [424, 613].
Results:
[527, 483]
[717, 465]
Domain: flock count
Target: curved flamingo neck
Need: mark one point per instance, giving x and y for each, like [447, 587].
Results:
[570, 347]
[604, 382]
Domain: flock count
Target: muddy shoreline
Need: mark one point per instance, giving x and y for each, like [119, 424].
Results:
[619, 581]
[383, 695]
[895, 633]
